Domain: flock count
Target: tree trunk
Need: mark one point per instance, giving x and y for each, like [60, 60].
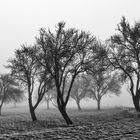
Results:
[65, 115]
[33, 116]
[2, 101]
[98, 104]
[1, 108]
[136, 103]
[48, 107]
[62, 105]
[78, 105]
[32, 111]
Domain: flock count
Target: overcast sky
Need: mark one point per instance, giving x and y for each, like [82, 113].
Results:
[20, 20]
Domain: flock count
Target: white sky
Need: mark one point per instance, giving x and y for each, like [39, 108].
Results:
[20, 20]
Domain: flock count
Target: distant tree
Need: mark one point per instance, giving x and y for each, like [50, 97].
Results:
[49, 97]
[9, 90]
[63, 55]
[18, 98]
[102, 84]
[79, 89]
[54, 97]
[124, 56]
[24, 67]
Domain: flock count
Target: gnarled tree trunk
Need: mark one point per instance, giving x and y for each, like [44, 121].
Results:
[62, 105]
[32, 110]
[65, 115]
[136, 102]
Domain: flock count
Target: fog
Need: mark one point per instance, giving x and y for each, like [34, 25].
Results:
[21, 20]
[123, 100]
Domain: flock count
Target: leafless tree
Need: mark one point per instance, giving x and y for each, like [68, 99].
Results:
[79, 89]
[124, 56]
[102, 84]
[24, 67]
[64, 55]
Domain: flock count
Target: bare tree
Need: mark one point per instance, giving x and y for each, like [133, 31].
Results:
[50, 97]
[9, 90]
[24, 67]
[79, 89]
[102, 84]
[63, 55]
[124, 56]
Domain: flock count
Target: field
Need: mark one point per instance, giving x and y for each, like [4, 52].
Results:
[108, 124]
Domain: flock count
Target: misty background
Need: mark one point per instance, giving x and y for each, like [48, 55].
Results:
[21, 20]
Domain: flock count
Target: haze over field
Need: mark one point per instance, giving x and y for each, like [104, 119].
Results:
[21, 20]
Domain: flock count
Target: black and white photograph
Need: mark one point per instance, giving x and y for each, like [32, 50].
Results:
[69, 70]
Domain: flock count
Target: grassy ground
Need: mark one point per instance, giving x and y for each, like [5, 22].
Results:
[109, 124]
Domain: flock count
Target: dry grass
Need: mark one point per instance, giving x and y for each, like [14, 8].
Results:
[15, 123]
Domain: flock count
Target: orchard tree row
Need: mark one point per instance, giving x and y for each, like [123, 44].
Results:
[75, 64]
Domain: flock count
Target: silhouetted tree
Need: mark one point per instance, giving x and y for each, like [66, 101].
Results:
[63, 55]
[9, 90]
[79, 89]
[25, 68]
[124, 56]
